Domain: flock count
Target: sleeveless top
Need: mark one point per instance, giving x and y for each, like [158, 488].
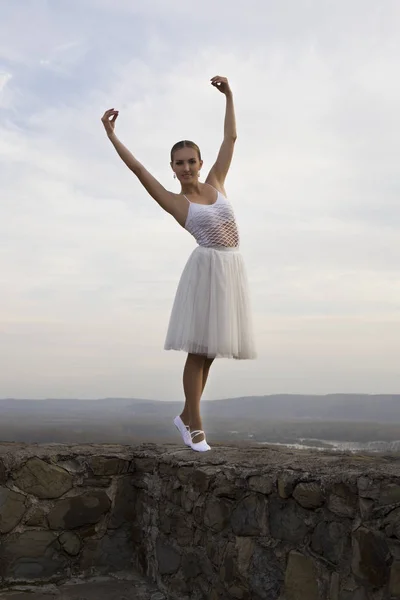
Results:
[213, 225]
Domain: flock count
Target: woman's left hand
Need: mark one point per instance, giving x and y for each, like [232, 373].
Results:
[222, 84]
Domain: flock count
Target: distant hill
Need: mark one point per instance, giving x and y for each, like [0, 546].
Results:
[380, 408]
[331, 407]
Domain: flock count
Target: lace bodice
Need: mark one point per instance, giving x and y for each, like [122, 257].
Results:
[213, 225]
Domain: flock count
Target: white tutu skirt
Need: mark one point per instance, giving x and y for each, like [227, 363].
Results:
[211, 313]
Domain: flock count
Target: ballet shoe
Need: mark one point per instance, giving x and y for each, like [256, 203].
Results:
[199, 446]
[183, 430]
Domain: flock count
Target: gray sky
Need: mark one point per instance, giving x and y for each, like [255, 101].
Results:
[89, 263]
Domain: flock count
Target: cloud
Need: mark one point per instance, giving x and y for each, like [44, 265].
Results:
[5, 94]
[63, 58]
[90, 263]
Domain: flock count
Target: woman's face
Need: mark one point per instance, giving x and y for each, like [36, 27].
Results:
[186, 165]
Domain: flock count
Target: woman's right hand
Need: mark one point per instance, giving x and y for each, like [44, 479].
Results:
[108, 120]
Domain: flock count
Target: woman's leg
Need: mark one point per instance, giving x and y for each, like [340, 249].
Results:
[185, 414]
[207, 364]
[194, 379]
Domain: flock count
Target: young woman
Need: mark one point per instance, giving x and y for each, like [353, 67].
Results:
[211, 313]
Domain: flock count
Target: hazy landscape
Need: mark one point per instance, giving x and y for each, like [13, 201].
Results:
[338, 421]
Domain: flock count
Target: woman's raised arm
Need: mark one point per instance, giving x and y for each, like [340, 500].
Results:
[221, 166]
[166, 199]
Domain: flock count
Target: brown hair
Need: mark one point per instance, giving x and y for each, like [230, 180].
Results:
[184, 144]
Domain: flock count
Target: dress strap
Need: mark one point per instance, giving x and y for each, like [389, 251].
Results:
[218, 192]
[211, 186]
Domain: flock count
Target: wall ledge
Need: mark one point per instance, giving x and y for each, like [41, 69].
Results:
[239, 522]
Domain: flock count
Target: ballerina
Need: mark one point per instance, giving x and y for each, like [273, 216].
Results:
[211, 315]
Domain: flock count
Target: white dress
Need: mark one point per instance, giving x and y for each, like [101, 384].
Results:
[211, 314]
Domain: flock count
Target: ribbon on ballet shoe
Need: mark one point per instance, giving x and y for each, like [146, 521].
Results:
[199, 446]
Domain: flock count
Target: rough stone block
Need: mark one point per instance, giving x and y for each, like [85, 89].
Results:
[371, 557]
[70, 543]
[228, 571]
[261, 483]
[201, 479]
[32, 556]
[244, 549]
[394, 584]
[103, 482]
[42, 479]
[334, 587]
[286, 522]
[394, 547]
[3, 473]
[113, 552]
[237, 593]
[342, 500]
[171, 471]
[178, 588]
[217, 513]
[184, 475]
[301, 581]
[183, 530]
[392, 523]
[145, 464]
[250, 517]
[38, 518]
[308, 494]
[105, 466]
[124, 509]
[366, 506]
[368, 488]
[228, 490]
[215, 549]
[286, 483]
[12, 509]
[191, 565]
[266, 574]
[75, 465]
[168, 559]
[77, 511]
[330, 540]
[390, 494]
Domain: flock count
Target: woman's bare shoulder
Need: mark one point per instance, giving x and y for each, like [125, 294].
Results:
[213, 182]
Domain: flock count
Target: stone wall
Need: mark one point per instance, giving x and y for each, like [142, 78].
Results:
[235, 523]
